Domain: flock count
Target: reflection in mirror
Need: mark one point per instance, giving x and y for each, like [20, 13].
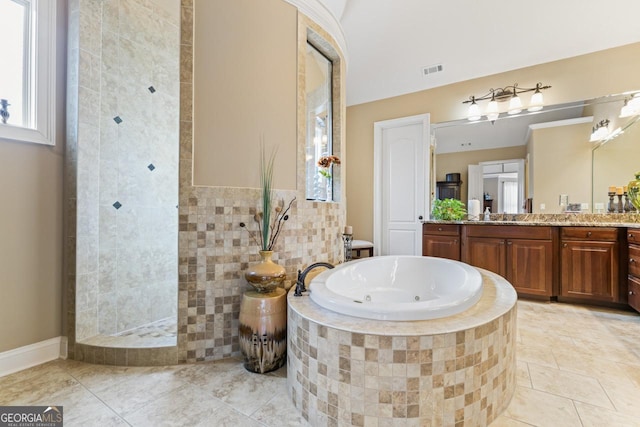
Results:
[555, 145]
[319, 179]
[615, 163]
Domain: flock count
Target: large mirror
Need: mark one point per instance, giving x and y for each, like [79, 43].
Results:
[563, 169]
[615, 162]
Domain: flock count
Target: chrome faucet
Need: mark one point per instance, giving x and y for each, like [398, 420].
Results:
[302, 275]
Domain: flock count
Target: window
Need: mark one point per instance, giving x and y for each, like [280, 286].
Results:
[318, 77]
[27, 74]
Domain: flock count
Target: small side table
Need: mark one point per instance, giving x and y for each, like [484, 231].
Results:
[263, 330]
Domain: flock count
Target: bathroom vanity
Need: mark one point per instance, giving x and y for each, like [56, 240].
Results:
[588, 262]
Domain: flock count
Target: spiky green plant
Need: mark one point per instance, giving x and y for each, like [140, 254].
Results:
[266, 179]
[268, 229]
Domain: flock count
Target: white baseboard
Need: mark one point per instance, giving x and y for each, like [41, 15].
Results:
[31, 355]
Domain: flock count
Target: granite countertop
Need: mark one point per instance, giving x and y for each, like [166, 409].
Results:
[630, 220]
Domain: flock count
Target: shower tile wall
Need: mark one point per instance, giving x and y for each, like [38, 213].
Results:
[127, 165]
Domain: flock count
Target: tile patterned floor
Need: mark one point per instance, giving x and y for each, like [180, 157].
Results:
[162, 333]
[577, 366]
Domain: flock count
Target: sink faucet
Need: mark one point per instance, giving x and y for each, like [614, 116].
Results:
[302, 275]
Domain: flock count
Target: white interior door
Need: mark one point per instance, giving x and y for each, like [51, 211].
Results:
[401, 184]
[475, 183]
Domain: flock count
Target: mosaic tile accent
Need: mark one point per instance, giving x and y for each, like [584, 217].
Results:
[151, 167]
[117, 119]
[117, 205]
[347, 371]
[152, 89]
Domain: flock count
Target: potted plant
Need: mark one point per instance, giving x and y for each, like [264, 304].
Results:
[267, 275]
[448, 210]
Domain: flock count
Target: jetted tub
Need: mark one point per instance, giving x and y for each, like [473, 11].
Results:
[398, 288]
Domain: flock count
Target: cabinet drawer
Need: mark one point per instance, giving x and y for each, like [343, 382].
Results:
[633, 235]
[441, 229]
[634, 260]
[509, 231]
[634, 293]
[589, 233]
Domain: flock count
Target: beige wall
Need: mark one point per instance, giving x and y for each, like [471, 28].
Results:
[578, 78]
[244, 88]
[459, 162]
[561, 163]
[31, 224]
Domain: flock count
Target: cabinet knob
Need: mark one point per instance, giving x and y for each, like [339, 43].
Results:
[455, 241]
[509, 242]
[439, 228]
[564, 245]
[588, 234]
[631, 260]
[420, 217]
[630, 292]
[630, 236]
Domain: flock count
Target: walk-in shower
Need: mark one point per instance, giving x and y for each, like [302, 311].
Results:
[128, 93]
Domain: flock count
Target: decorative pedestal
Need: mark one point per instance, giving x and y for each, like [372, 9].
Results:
[263, 330]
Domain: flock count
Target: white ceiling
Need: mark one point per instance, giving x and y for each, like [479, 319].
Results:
[390, 41]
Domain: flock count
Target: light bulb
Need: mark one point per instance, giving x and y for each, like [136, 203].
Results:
[634, 103]
[515, 104]
[627, 111]
[537, 101]
[492, 110]
[474, 112]
[600, 132]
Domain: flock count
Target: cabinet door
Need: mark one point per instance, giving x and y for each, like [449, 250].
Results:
[530, 266]
[589, 270]
[634, 293]
[486, 252]
[441, 246]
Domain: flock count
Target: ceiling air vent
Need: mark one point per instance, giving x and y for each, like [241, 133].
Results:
[431, 69]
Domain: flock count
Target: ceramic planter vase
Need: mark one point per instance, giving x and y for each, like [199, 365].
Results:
[265, 276]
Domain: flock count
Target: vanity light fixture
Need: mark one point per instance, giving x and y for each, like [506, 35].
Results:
[507, 93]
[631, 106]
[600, 131]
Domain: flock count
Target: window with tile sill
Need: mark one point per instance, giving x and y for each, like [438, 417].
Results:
[27, 74]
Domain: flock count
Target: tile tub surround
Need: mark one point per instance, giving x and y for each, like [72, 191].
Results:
[457, 370]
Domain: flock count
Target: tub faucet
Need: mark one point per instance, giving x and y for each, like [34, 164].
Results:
[302, 275]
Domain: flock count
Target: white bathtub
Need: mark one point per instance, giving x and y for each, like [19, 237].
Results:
[398, 288]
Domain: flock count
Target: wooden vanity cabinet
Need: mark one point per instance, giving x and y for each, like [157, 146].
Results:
[521, 254]
[441, 240]
[589, 263]
[633, 279]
